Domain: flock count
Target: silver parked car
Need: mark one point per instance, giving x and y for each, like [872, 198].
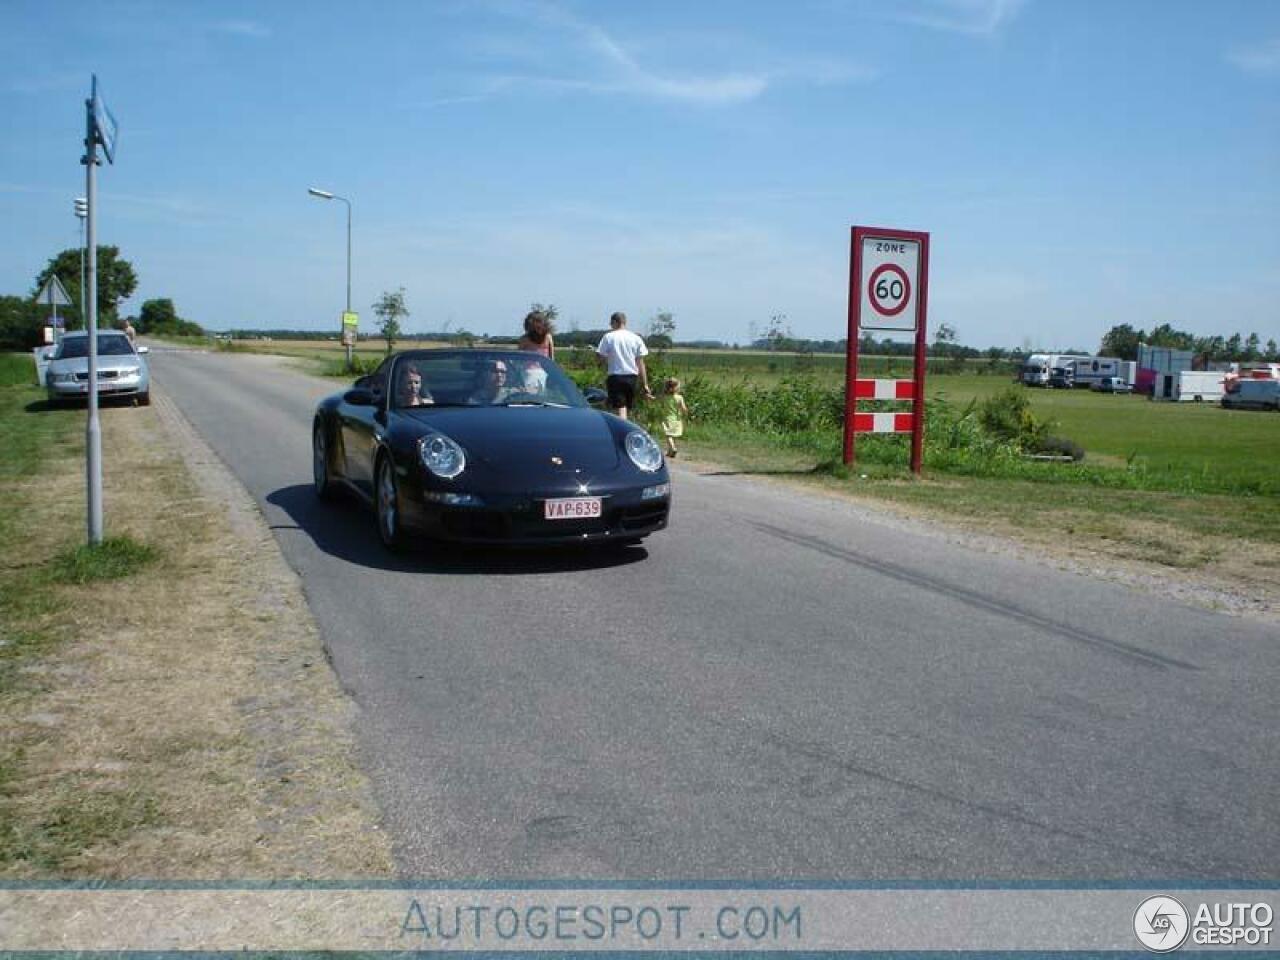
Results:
[1113, 385]
[122, 370]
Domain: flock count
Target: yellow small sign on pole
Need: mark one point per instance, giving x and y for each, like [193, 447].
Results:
[350, 322]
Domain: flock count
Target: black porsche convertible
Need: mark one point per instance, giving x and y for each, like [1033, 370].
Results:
[488, 447]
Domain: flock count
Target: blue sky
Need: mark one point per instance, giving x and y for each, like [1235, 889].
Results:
[1078, 164]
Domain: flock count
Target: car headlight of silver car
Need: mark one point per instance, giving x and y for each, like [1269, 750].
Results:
[643, 451]
[442, 456]
[62, 378]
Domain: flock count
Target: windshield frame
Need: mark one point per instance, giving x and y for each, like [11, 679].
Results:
[81, 344]
[453, 378]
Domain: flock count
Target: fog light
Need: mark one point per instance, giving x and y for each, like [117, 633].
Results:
[452, 499]
[656, 492]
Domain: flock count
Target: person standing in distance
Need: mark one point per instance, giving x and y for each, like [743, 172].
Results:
[622, 353]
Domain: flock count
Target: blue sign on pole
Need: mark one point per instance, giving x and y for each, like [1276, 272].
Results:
[104, 124]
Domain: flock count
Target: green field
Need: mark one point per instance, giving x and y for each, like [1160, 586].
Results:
[1188, 439]
[1192, 441]
[1183, 437]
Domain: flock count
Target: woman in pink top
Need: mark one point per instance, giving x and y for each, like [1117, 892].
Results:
[537, 335]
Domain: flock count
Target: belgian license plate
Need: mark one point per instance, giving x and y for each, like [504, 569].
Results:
[572, 508]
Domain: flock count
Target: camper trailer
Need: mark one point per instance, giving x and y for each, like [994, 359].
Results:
[1091, 370]
[1199, 386]
[1038, 368]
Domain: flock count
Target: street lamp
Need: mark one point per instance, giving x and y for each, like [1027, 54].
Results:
[328, 195]
[82, 211]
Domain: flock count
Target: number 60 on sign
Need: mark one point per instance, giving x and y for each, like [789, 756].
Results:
[889, 294]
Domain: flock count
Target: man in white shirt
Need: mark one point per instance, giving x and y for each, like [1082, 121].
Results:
[622, 353]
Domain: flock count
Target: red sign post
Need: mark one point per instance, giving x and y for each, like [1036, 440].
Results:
[888, 290]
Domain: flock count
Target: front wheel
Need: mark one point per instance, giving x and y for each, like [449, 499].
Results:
[387, 504]
[320, 462]
[144, 399]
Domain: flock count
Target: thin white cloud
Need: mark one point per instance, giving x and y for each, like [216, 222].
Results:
[599, 62]
[1261, 60]
[725, 88]
[975, 18]
[242, 28]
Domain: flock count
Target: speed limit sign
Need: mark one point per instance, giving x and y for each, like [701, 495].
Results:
[890, 268]
[888, 290]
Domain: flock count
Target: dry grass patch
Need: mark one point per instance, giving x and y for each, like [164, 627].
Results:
[182, 722]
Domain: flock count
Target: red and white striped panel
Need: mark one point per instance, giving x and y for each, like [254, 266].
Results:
[884, 389]
[882, 422]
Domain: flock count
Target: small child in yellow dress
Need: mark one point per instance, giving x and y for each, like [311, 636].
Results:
[673, 411]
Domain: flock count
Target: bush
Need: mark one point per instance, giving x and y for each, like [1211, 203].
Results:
[1007, 416]
[360, 365]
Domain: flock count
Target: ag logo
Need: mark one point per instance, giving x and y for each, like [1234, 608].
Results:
[1161, 924]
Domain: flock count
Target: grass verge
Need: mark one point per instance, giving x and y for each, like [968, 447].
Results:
[166, 709]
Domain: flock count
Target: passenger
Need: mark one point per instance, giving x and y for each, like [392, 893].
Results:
[537, 335]
[492, 386]
[412, 393]
[534, 379]
[673, 411]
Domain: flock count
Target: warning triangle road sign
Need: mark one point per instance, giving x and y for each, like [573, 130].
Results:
[53, 293]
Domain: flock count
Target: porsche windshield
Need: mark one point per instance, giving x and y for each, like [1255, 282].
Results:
[109, 345]
[473, 378]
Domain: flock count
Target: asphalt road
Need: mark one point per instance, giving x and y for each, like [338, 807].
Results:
[779, 688]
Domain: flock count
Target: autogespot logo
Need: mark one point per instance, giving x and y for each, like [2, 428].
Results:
[1161, 924]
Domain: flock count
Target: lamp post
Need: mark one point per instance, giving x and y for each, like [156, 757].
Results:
[329, 195]
[82, 211]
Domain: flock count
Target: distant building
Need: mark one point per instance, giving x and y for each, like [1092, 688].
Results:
[1158, 369]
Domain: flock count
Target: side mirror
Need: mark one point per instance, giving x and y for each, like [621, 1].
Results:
[360, 397]
[144, 349]
[595, 396]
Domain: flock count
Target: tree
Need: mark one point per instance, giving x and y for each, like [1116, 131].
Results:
[548, 310]
[1273, 352]
[116, 282]
[944, 339]
[1121, 342]
[157, 316]
[390, 308]
[1166, 336]
[661, 331]
[21, 323]
[777, 334]
[1252, 347]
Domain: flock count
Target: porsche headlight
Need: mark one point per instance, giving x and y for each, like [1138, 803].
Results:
[643, 451]
[441, 456]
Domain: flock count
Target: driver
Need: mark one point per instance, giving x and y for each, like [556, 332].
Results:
[492, 385]
[412, 393]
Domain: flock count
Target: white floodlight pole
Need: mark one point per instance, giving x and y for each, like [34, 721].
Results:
[93, 432]
[328, 195]
[82, 211]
